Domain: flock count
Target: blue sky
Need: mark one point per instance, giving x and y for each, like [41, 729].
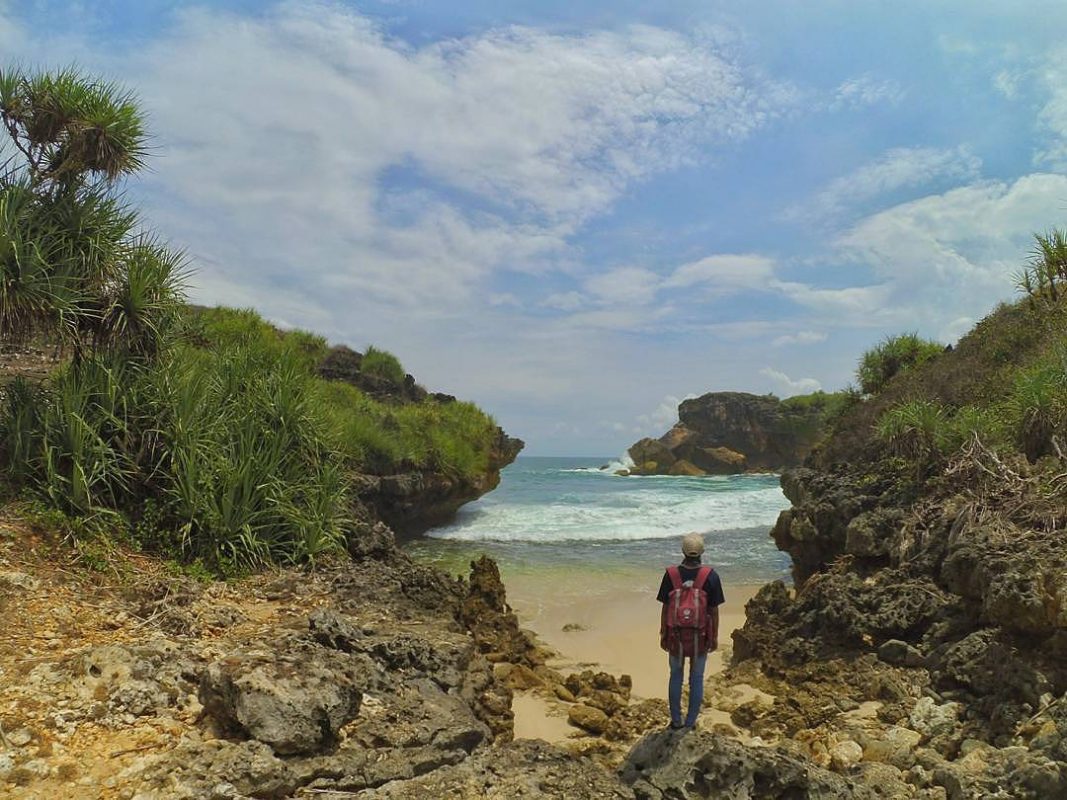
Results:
[577, 214]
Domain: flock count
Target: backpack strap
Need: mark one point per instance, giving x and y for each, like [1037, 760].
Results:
[702, 577]
[676, 577]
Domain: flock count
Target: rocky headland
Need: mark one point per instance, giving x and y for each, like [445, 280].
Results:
[726, 433]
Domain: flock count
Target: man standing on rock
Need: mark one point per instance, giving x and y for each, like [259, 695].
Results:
[689, 626]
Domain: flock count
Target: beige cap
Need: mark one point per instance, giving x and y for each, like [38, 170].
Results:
[692, 545]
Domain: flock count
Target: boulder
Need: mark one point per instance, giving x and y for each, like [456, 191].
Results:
[296, 705]
[900, 653]
[647, 450]
[713, 460]
[844, 754]
[895, 747]
[588, 718]
[677, 436]
[683, 468]
[698, 764]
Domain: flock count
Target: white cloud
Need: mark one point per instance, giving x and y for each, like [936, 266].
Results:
[800, 337]
[504, 299]
[1052, 119]
[866, 90]
[724, 272]
[659, 421]
[624, 286]
[564, 301]
[790, 386]
[896, 169]
[1007, 82]
[943, 257]
[286, 141]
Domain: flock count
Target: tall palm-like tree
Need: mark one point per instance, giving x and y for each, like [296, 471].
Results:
[72, 263]
[1049, 259]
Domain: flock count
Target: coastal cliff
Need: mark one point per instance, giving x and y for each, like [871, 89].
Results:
[407, 497]
[725, 433]
[924, 643]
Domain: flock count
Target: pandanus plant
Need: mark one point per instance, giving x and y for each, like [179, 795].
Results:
[1048, 262]
[72, 263]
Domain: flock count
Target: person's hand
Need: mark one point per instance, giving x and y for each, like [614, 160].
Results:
[713, 645]
[663, 640]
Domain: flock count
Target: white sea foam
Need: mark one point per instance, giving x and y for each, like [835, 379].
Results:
[649, 511]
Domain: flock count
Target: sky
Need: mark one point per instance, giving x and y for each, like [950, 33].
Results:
[576, 214]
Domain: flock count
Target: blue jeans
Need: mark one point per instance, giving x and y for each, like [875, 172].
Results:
[696, 687]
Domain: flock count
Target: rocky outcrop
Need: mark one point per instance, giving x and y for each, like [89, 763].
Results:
[348, 678]
[700, 764]
[724, 433]
[411, 503]
[344, 364]
[937, 604]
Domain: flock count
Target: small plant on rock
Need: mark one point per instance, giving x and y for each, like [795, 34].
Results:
[894, 355]
[382, 364]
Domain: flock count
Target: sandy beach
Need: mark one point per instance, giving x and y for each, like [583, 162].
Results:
[605, 621]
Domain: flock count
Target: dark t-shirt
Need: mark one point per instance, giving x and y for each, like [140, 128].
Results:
[713, 586]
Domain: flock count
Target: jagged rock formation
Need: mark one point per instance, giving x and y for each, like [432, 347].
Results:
[943, 603]
[412, 502]
[348, 678]
[724, 433]
[668, 765]
[343, 364]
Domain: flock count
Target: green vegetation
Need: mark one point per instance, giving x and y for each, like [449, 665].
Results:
[827, 405]
[1027, 415]
[72, 262]
[814, 415]
[893, 356]
[382, 364]
[204, 434]
[1047, 270]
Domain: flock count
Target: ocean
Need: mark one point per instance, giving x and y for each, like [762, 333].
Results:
[574, 517]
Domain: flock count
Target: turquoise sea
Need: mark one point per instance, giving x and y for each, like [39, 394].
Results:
[574, 516]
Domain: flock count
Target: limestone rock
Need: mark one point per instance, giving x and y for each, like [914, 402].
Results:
[294, 707]
[930, 719]
[844, 754]
[588, 718]
[698, 764]
[647, 450]
[896, 747]
[894, 651]
[724, 433]
[685, 469]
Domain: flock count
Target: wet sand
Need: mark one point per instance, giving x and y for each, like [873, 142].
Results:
[603, 621]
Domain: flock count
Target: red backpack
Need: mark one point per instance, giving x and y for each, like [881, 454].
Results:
[687, 612]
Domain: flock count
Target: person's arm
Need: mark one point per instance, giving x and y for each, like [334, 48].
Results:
[715, 599]
[663, 626]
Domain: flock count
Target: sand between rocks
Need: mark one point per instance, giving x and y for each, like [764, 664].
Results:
[601, 623]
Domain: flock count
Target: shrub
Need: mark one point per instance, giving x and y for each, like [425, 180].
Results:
[372, 436]
[916, 431]
[382, 364]
[72, 264]
[1036, 406]
[250, 476]
[985, 423]
[893, 356]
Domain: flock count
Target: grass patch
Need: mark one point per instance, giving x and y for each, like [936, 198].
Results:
[382, 364]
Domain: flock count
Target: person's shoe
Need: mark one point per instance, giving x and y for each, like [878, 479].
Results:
[676, 726]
